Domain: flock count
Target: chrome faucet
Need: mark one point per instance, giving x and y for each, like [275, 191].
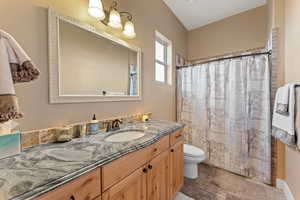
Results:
[114, 125]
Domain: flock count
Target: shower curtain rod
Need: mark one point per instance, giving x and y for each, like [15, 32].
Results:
[226, 58]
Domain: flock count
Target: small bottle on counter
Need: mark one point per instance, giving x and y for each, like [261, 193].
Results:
[93, 126]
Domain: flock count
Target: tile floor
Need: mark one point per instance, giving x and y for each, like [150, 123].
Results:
[181, 196]
[218, 184]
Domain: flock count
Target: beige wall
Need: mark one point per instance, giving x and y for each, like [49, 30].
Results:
[27, 21]
[284, 15]
[292, 74]
[240, 32]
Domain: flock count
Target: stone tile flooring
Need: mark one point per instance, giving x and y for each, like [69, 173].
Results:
[218, 184]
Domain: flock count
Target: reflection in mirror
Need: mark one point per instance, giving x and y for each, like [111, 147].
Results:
[93, 65]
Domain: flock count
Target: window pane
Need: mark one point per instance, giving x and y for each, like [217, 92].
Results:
[159, 72]
[159, 51]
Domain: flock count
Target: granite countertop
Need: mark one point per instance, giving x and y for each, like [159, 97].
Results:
[40, 169]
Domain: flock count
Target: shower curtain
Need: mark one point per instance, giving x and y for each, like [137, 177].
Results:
[226, 108]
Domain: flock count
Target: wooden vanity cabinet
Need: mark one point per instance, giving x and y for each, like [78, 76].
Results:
[119, 169]
[158, 180]
[86, 187]
[152, 173]
[176, 168]
[133, 187]
[176, 137]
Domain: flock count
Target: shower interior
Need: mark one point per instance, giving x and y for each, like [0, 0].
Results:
[226, 106]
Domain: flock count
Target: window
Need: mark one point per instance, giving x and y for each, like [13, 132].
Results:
[163, 59]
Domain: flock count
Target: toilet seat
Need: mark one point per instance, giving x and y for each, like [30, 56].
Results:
[192, 151]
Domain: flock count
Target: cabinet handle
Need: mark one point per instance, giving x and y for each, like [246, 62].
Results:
[155, 150]
[178, 136]
[145, 170]
[72, 198]
[150, 166]
[172, 150]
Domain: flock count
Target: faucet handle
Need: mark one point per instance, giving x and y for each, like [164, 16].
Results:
[119, 121]
[116, 123]
[108, 126]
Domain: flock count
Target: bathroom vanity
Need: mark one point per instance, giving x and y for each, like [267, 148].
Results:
[88, 168]
[142, 161]
[155, 172]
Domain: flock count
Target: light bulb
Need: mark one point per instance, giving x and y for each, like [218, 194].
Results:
[115, 19]
[129, 30]
[96, 9]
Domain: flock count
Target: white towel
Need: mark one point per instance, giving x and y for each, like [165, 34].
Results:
[283, 126]
[22, 68]
[9, 108]
[282, 101]
[15, 67]
[6, 81]
[297, 117]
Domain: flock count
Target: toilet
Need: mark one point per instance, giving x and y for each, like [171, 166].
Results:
[192, 157]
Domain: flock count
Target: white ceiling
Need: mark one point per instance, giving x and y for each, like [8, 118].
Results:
[197, 13]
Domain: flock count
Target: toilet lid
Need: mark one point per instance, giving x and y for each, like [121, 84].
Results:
[192, 151]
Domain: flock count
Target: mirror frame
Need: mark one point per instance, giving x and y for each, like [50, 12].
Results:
[54, 62]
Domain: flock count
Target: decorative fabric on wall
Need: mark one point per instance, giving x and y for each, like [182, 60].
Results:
[226, 108]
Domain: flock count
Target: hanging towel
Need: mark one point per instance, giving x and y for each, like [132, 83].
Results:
[15, 67]
[297, 118]
[282, 103]
[9, 108]
[283, 126]
[22, 68]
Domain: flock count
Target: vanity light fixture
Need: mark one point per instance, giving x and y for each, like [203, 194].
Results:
[96, 9]
[112, 17]
[115, 19]
[129, 30]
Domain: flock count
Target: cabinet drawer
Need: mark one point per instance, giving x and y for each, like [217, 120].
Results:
[160, 146]
[176, 137]
[122, 167]
[85, 187]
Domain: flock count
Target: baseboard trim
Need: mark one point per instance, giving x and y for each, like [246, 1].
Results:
[281, 184]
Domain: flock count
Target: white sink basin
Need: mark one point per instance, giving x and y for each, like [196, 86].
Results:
[125, 136]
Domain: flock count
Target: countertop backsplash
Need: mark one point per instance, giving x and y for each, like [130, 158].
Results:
[45, 136]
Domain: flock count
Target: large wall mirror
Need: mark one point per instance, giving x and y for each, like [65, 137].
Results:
[87, 65]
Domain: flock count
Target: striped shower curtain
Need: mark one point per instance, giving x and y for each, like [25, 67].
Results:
[226, 108]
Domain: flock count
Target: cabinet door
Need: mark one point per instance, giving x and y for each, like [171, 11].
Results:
[176, 168]
[133, 187]
[158, 178]
[86, 187]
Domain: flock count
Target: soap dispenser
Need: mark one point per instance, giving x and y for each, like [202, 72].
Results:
[93, 125]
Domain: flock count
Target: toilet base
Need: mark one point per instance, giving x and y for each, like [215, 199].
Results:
[191, 170]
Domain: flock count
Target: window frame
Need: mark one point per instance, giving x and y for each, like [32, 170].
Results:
[168, 56]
